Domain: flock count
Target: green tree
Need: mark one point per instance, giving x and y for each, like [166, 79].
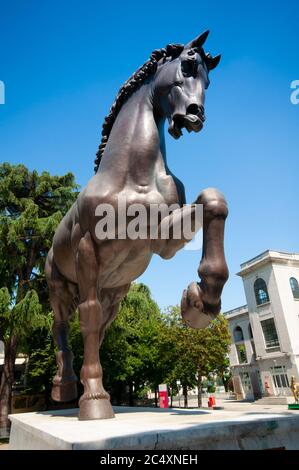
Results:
[170, 364]
[41, 364]
[31, 206]
[18, 321]
[196, 354]
[130, 353]
[213, 358]
[41, 359]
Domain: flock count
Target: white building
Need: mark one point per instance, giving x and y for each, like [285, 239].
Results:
[265, 333]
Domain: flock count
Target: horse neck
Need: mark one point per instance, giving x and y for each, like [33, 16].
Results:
[135, 150]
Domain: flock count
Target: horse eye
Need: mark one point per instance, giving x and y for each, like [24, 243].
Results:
[189, 67]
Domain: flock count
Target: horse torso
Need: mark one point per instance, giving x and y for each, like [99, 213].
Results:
[134, 169]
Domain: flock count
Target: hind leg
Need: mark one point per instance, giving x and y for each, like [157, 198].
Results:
[63, 302]
[92, 405]
[97, 308]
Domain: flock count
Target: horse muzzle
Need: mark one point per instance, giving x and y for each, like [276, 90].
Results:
[191, 122]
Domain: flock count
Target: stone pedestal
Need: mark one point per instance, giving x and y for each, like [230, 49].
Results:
[150, 428]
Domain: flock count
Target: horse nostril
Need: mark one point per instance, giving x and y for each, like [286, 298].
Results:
[195, 109]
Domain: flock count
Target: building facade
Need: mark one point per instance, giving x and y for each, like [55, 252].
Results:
[265, 333]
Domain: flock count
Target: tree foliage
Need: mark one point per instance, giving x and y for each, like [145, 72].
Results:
[194, 353]
[134, 335]
[129, 354]
[31, 206]
[142, 348]
[41, 366]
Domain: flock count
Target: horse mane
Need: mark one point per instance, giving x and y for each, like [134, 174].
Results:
[171, 51]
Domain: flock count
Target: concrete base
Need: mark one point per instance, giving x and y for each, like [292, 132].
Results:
[150, 428]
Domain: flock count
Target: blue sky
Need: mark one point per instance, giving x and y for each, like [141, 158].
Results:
[62, 63]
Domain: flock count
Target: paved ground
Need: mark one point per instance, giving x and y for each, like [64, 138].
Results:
[236, 407]
[4, 446]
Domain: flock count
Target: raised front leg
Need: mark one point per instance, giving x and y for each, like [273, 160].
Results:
[201, 302]
[95, 401]
[177, 229]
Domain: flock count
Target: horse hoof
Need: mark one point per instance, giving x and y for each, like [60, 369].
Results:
[196, 319]
[64, 392]
[95, 408]
[195, 312]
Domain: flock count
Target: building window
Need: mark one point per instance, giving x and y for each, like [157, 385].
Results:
[270, 334]
[238, 334]
[241, 351]
[280, 378]
[295, 287]
[261, 292]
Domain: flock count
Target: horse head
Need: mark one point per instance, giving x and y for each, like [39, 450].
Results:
[180, 83]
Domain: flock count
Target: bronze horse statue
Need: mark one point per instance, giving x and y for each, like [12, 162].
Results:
[94, 275]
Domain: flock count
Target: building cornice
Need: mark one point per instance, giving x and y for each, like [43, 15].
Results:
[236, 312]
[268, 256]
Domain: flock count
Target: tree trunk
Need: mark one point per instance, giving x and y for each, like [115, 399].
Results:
[7, 380]
[119, 393]
[199, 391]
[225, 381]
[156, 397]
[185, 393]
[131, 394]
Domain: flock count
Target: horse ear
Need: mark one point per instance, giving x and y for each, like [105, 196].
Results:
[212, 62]
[199, 41]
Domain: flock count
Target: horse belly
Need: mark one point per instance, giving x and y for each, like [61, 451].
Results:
[120, 265]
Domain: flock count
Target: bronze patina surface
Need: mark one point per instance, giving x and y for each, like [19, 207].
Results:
[94, 274]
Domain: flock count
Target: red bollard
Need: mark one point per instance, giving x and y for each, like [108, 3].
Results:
[163, 396]
[211, 402]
